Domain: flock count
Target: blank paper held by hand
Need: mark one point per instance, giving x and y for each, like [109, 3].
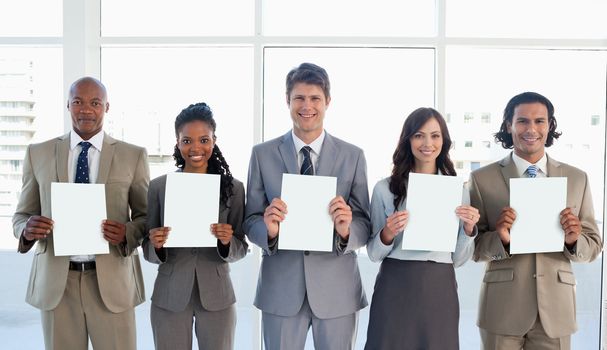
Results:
[307, 225]
[191, 205]
[431, 202]
[537, 203]
[78, 210]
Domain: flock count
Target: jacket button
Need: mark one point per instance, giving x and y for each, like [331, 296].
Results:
[194, 251]
[306, 252]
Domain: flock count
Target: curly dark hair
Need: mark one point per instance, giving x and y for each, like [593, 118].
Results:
[505, 138]
[403, 159]
[217, 163]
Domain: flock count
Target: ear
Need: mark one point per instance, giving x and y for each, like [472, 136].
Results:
[509, 127]
[68, 105]
[288, 100]
[328, 101]
[107, 107]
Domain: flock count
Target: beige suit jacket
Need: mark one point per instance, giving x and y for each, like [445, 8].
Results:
[516, 288]
[124, 171]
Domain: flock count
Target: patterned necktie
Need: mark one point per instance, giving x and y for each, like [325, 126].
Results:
[306, 167]
[532, 171]
[82, 169]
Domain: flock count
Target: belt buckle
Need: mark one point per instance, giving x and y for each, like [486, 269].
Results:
[81, 266]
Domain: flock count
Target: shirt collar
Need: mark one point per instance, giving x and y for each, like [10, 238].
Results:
[316, 145]
[522, 165]
[96, 141]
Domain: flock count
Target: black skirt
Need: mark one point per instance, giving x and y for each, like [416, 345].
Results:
[414, 307]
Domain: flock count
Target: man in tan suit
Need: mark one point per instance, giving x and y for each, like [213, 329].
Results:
[82, 297]
[527, 301]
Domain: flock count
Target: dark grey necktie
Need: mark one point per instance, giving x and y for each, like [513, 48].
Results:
[306, 166]
[82, 168]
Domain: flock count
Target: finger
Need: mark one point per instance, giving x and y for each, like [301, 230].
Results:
[278, 203]
[113, 223]
[336, 200]
[275, 211]
[41, 219]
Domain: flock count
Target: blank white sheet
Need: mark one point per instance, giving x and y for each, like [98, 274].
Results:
[78, 211]
[538, 203]
[431, 202]
[191, 205]
[307, 225]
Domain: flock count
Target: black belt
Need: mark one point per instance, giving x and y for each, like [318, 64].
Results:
[82, 266]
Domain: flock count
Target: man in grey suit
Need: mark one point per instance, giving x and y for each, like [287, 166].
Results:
[527, 301]
[85, 296]
[302, 289]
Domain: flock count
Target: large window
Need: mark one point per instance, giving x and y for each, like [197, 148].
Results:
[385, 58]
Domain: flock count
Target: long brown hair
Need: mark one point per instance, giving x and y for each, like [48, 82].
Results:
[403, 159]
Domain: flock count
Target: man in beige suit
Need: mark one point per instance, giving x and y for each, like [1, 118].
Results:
[82, 297]
[527, 301]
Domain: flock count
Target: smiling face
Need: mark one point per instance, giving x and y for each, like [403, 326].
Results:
[195, 142]
[426, 145]
[87, 105]
[529, 129]
[307, 105]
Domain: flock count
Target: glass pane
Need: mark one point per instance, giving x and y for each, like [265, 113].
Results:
[31, 18]
[177, 18]
[147, 88]
[372, 91]
[31, 110]
[349, 18]
[479, 83]
[527, 19]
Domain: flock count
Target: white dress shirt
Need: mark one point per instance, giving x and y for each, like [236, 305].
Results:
[94, 154]
[522, 165]
[316, 146]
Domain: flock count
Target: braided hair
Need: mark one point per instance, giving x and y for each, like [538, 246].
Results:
[217, 163]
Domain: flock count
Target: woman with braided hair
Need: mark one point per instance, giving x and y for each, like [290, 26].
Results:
[193, 286]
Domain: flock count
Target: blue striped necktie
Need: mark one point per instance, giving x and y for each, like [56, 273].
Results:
[82, 168]
[306, 166]
[532, 171]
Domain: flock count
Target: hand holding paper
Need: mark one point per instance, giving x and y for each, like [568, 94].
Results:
[223, 232]
[504, 224]
[37, 227]
[469, 215]
[571, 226]
[395, 224]
[341, 214]
[158, 236]
[113, 231]
[273, 216]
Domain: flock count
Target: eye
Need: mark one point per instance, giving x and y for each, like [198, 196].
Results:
[205, 140]
[95, 103]
[185, 141]
[75, 103]
[436, 136]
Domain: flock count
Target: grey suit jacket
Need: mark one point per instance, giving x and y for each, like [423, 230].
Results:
[517, 287]
[331, 280]
[179, 266]
[123, 168]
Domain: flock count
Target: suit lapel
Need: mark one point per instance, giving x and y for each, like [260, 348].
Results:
[327, 157]
[62, 150]
[508, 170]
[107, 153]
[553, 168]
[288, 153]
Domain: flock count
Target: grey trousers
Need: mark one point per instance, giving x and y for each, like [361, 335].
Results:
[289, 333]
[173, 330]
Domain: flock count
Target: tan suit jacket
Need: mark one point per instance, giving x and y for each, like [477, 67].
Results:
[124, 171]
[516, 288]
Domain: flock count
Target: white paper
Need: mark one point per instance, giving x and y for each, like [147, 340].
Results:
[191, 205]
[307, 225]
[538, 203]
[78, 211]
[431, 202]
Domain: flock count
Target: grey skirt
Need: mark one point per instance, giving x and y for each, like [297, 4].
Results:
[414, 307]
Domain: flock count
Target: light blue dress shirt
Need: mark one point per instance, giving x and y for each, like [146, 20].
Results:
[382, 206]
